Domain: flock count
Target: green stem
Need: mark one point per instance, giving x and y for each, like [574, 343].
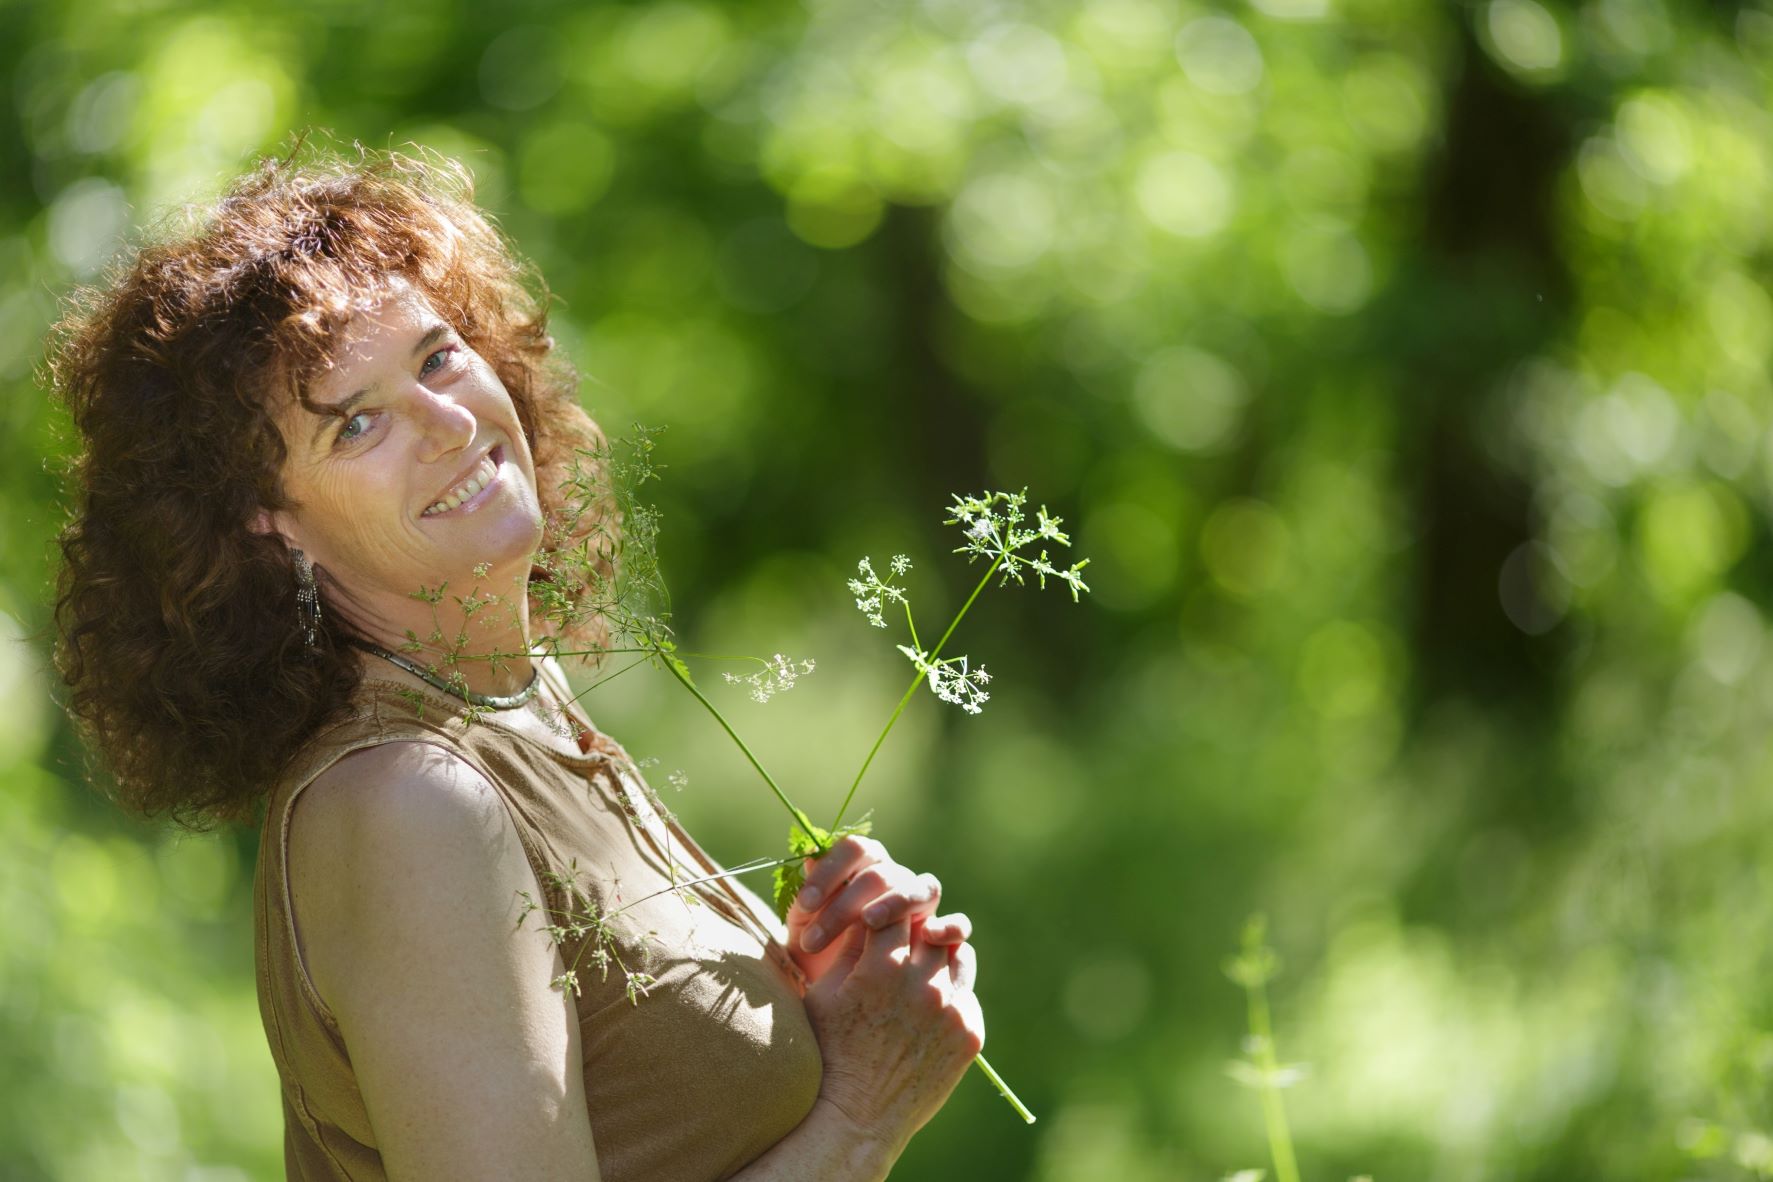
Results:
[911, 690]
[1004, 1089]
[608, 677]
[1274, 1115]
[732, 872]
[605, 652]
[800, 818]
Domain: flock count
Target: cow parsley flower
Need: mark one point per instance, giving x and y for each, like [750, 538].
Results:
[873, 593]
[777, 676]
[996, 528]
[951, 680]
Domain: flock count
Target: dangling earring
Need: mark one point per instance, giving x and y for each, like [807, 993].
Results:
[307, 600]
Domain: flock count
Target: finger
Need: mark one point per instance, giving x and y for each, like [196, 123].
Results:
[963, 967]
[881, 946]
[948, 929]
[916, 901]
[879, 881]
[826, 874]
[930, 959]
[881, 894]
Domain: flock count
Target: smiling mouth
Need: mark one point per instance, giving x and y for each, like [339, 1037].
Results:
[477, 481]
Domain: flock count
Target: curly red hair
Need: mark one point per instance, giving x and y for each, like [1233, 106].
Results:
[177, 626]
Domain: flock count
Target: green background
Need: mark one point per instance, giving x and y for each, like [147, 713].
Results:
[1399, 364]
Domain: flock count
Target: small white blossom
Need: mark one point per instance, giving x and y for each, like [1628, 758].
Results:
[993, 525]
[951, 680]
[873, 593]
[777, 676]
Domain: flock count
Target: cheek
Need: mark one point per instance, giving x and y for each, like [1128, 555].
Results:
[352, 513]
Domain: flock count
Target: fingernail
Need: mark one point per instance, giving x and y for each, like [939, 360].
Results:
[809, 898]
[874, 914]
[812, 938]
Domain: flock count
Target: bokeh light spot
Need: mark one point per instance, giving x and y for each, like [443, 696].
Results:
[1609, 182]
[1184, 194]
[86, 224]
[1727, 636]
[1328, 266]
[1687, 536]
[1523, 38]
[1003, 221]
[1653, 132]
[1343, 670]
[520, 68]
[564, 167]
[1247, 547]
[1107, 996]
[1531, 589]
[832, 208]
[1134, 549]
[1387, 98]
[1219, 55]
[1293, 10]
[1018, 63]
[101, 115]
[1190, 399]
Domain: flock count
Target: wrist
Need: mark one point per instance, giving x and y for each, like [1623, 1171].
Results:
[863, 1151]
[828, 1145]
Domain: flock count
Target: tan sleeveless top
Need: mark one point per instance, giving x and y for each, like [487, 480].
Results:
[695, 1081]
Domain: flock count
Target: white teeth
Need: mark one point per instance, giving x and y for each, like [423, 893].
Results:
[483, 476]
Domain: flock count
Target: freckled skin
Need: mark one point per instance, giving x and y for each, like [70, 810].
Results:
[359, 496]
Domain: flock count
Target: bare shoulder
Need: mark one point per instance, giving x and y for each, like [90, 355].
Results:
[400, 828]
[411, 877]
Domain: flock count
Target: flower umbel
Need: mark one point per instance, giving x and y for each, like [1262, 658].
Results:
[996, 527]
[951, 680]
[873, 593]
[777, 676]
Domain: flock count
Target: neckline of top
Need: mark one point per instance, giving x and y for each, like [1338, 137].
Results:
[599, 741]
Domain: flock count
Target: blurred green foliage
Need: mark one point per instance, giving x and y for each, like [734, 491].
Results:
[1402, 365]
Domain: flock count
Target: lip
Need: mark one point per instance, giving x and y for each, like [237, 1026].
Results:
[496, 454]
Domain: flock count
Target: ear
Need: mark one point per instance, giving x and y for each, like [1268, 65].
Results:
[267, 521]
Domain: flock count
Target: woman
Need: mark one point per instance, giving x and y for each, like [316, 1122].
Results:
[332, 391]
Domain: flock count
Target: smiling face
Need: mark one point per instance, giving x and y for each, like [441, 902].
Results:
[420, 474]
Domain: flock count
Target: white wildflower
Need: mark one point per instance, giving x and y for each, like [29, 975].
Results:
[951, 680]
[993, 525]
[777, 676]
[873, 593]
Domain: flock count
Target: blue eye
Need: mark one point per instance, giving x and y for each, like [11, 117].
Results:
[346, 435]
[425, 371]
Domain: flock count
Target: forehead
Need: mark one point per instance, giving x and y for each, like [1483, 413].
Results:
[384, 330]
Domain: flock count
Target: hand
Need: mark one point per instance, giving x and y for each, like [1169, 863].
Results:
[898, 1024]
[857, 880]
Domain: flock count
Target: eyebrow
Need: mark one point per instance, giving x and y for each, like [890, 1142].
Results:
[342, 408]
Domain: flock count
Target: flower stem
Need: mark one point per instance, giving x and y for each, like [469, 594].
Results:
[1274, 1115]
[1004, 1090]
[732, 872]
[805, 822]
[911, 690]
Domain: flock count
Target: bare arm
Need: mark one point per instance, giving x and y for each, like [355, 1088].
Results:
[408, 869]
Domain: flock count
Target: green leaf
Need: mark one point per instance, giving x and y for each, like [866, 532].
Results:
[791, 876]
[676, 663]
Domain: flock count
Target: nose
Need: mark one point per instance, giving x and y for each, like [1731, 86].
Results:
[445, 425]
